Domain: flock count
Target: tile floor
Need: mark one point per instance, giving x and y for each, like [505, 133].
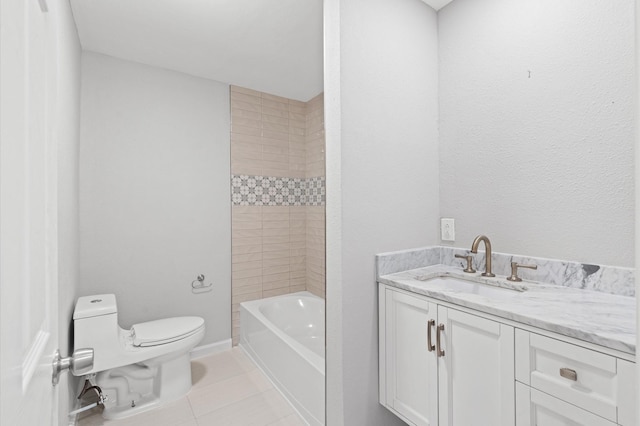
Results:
[228, 389]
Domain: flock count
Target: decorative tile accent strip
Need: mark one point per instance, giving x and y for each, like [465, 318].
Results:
[277, 191]
[315, 191]
[607, 279]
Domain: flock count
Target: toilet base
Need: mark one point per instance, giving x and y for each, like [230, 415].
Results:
[136, 388]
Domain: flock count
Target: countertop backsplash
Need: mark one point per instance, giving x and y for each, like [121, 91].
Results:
[606, 279]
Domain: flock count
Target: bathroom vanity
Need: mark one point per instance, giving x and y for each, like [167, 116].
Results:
[461, 349]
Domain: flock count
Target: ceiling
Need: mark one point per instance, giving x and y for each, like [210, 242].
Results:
[437, 4]
[273, 46]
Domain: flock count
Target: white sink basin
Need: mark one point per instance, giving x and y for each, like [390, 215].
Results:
[470, 287]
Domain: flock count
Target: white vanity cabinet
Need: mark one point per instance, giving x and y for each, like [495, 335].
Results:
[486, 371]
[468, 379]
[559, 383]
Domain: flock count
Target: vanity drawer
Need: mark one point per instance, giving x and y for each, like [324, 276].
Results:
[588, 379]
[535, 408]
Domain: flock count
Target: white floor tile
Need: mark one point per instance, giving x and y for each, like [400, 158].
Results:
[228, 390]
[214, 368]
[171, 414]
[90, 417]
[258, 410]
[211, 397]
[242, 358]
[192, 422]
[292, 420]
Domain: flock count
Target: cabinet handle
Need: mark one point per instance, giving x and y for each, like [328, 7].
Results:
[430, 346]
[438, 343]
[568, 373]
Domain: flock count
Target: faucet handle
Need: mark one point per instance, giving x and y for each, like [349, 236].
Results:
[514, 271]
[469, 269]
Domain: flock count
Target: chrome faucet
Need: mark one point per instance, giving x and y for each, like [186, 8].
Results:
[487, 247]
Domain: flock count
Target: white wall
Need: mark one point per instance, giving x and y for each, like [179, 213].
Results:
[636, 122]
[68, 137]
[542, 164]
[382, 179]
[334, 393]
[154, 192]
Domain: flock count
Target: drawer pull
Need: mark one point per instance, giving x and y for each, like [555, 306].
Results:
[430, 346]
[568, 373]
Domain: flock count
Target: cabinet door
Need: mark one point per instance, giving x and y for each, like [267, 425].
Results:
[476, 371]
[535, 408]
[411, 376]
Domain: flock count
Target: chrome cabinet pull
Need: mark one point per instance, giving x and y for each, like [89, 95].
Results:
[430, 346]
[438, 343]
[568, 373]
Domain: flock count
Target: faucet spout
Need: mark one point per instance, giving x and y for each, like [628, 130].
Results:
[487, 247]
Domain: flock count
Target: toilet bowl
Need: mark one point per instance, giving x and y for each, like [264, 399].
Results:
[139, 368]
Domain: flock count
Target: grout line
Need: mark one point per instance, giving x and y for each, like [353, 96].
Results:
[250, 395]
[193, 413]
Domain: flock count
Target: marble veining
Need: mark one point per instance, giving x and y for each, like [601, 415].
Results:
[603, 319]
[601, 278]
[397, 261]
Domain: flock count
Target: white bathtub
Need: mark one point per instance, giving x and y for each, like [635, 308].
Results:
[284, 335]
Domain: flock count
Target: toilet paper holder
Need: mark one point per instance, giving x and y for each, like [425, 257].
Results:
[199, 286]
[79, 363]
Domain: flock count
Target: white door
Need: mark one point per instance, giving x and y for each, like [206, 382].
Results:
[476, 373]
[28, 208]
[411, 369]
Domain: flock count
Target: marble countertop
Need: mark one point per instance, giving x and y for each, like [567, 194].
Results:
[603, 319]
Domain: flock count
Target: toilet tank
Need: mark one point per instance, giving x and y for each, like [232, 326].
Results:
[95, 326]
[93, 306]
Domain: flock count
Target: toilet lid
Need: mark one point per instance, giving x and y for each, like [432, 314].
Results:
[166, 330]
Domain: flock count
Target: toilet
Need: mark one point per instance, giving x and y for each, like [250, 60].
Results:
[139, 368]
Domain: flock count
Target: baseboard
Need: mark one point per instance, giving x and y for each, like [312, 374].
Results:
[210, 349]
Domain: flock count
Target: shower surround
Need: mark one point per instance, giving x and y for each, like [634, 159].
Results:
[278, 194]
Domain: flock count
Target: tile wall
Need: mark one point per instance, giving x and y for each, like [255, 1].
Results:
[277, 168]
[315, 167]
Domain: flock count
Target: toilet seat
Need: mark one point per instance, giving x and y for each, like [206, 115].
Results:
[163, 331]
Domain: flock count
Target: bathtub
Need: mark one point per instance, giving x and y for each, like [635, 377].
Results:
[284, 336]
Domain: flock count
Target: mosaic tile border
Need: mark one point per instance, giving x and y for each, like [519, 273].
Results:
[249, 190]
